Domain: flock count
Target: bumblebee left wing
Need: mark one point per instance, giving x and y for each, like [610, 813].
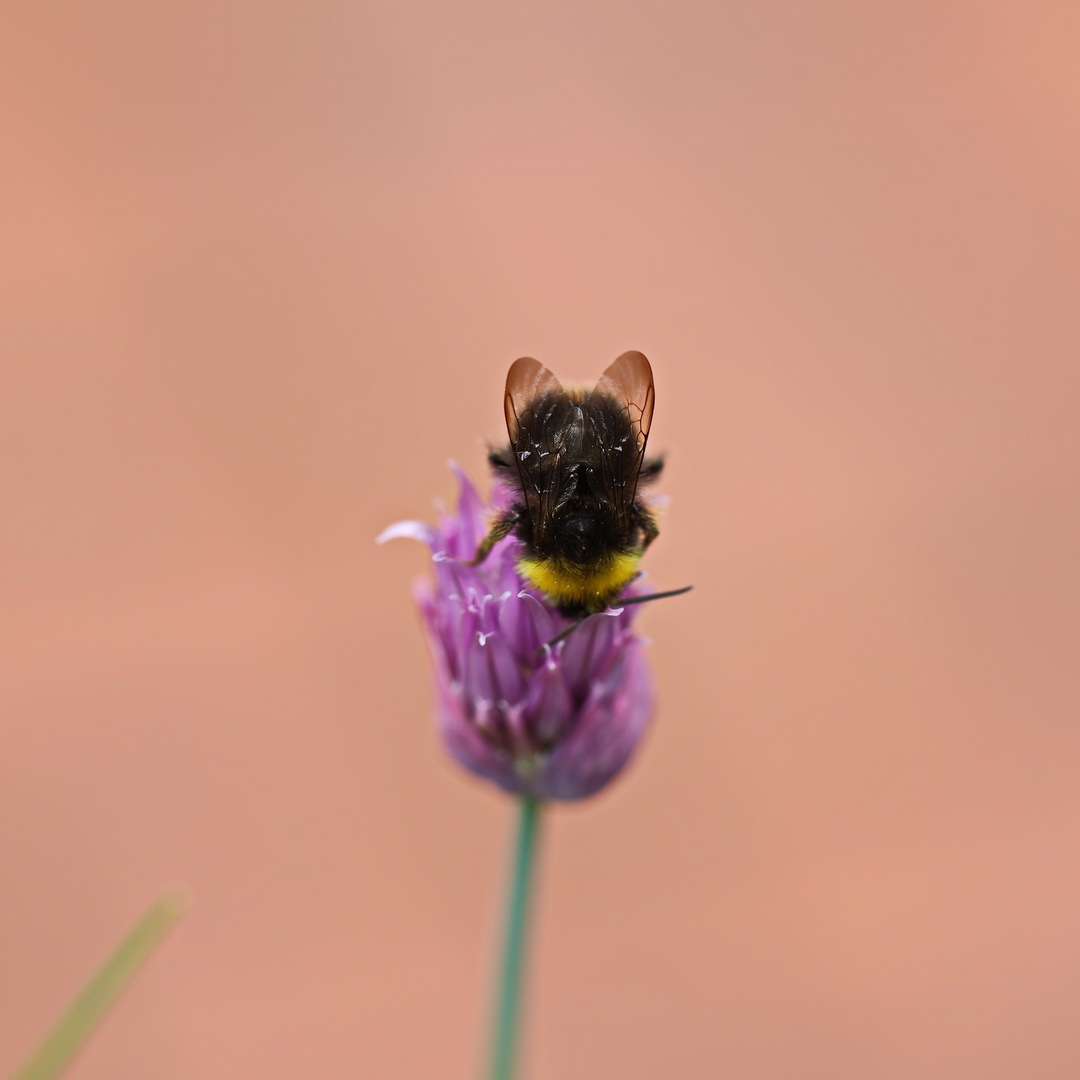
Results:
[529, 388]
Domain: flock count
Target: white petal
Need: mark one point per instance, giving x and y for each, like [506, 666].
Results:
[408, 530]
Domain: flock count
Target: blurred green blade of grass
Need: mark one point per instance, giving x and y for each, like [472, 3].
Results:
[66, 1038]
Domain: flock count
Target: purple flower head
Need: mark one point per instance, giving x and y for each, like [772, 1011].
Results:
[553, 722]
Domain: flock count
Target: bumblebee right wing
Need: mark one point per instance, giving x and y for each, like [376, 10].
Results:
[629, 384]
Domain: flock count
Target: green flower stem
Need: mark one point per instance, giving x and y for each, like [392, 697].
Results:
[508, 1004]
[66, 1038]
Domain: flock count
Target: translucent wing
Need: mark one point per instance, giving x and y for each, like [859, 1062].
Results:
[526, 380]
[629, 383]
[529, 387]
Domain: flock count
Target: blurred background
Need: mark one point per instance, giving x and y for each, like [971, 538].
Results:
[263, 268]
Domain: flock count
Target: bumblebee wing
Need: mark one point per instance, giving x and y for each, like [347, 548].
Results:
[527, 382]
[629, 383]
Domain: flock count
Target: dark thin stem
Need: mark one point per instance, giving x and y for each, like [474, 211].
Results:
[507, 1006]
[562, 635]
[654, 596]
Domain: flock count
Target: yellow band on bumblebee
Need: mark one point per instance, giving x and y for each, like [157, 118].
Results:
[567, 584]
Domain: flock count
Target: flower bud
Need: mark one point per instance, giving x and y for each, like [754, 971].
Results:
[554, 722]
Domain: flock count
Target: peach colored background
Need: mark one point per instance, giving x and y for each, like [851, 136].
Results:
[262, 269]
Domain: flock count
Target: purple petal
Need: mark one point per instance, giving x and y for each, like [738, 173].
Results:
[550, 706]
[470, 749]
[519, 731]
[491, 669]
[528, 624]
[604, 736]
[587, 651]
[470, 518]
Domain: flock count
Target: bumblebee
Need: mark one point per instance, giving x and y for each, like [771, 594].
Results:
[575, 462]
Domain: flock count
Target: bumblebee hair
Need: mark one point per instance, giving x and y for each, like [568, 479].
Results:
[573, 467]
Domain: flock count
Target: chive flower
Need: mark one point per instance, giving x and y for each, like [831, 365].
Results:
[546, 721]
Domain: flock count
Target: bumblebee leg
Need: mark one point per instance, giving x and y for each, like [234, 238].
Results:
[650, 469]
[503, 527]
[647, 523]
[501, 459]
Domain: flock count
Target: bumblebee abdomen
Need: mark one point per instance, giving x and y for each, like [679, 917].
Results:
[580, 588]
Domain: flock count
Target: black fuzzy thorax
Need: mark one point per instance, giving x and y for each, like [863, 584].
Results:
[575, 465]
